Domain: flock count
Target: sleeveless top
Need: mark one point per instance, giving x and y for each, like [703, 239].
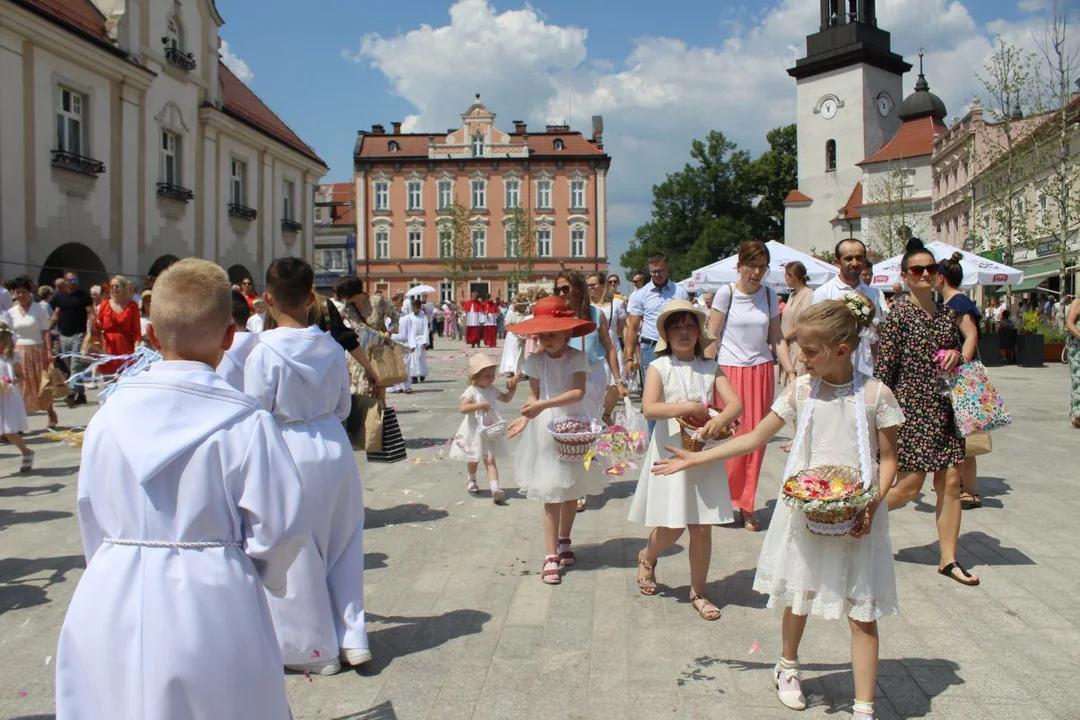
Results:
[594, 349]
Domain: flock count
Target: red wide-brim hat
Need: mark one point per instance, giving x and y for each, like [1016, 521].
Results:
[551, 314]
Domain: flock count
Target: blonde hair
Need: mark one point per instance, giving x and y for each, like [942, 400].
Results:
[124, 282]
[192, 305]
[833, 322]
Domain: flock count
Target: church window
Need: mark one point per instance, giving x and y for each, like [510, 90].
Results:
[830, 156]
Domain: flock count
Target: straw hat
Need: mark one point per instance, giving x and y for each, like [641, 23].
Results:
[678, 306]
[552, 314]
[479, 363]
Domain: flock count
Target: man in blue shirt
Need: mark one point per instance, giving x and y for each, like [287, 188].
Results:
[642, 310]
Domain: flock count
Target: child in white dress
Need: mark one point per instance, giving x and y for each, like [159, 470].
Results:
[12, 408]
[557, 378]
[843, 419]
[681, 382]
[478, 403]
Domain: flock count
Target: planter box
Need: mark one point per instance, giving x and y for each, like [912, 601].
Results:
[1029, 350]
[1052, 351]
[990, 350]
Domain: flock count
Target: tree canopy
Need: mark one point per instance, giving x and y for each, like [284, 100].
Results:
[721, 198]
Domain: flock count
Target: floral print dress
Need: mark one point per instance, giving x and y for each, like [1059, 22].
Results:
[910, 338]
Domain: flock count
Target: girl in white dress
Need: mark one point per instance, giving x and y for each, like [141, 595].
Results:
[514, 347]
[682, 382]
[478, 403]
[12, 408]
[557, 380]
[844, 419]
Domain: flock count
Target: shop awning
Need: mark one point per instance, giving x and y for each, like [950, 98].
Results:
[1034, 276]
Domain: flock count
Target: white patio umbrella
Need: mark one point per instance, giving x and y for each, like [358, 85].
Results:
[977, 269]
[420, 290]
[711, 277]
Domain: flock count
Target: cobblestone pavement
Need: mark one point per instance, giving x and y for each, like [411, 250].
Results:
[461, 626]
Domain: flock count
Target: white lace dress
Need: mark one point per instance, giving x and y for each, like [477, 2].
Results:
[698, 496]
[812, 574]
[468, 444]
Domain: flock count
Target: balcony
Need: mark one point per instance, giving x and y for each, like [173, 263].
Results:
[174, 192]
[290, 225]
[179, 58]
[242, 211]
[77, 163]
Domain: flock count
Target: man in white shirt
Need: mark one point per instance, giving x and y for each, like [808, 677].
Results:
[257, 322]
[851, 258]
[642, 311]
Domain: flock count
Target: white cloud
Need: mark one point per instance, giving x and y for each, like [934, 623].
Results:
[234, 63]
[665, 92]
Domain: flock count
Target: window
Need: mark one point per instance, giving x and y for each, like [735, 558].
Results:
[333, 260]
[577, 193]
[69, 122]
[543, 242]
[543, 194]
[416, 244]
[238, 183]
[382, 196]
[170, 169]
[577, 242]
[1041, 212]
[479, 242]
[446, 193]
[287, 195]
[382, 244]
[479, 194]
[172, 35]
[446, 291]
[986, 225]
[478, 145]
[560, 145]
[513, 243]
[393, 146]
[513, 194]
[446, 242]
[415, 195]
[511, 289]
[830, 156]
[320, 215]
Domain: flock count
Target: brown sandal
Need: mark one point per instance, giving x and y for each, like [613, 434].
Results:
[551, 576]
[567, 558]
[647, 583]
[705, 607]
[750, 521]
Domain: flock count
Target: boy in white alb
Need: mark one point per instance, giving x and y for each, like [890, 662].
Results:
[189, 505]
[231, 366]
[299, 374]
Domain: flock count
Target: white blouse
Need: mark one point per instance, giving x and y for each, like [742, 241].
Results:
[30, 325]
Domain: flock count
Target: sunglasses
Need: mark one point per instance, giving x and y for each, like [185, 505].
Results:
[922, 269]
[562, 290]
[613, 281]
[593, 285]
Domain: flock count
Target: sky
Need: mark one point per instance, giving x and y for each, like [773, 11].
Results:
[660, 73]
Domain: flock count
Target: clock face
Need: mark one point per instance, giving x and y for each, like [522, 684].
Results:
[828, 108]
[884, 104]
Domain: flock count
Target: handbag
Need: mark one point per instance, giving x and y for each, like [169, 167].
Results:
[977, 407]
[978, 444]
[388, 362]
[53, 385]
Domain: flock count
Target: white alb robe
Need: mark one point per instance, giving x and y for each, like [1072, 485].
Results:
[232, 362]
[413, 332]
[174, 633]
[301, 377]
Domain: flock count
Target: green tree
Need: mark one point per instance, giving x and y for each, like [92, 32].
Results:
[776, 173]
[522, 228]
[455, 242]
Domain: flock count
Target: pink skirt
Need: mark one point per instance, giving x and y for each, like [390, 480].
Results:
[36, 361]
[756, 387]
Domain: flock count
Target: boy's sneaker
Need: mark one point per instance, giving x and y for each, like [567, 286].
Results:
[788, 685]
[318, 667]
[354, 656]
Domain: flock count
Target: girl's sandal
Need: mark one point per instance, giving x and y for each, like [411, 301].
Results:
[750, 521]
[550, 573]
[646, 581]
[27, 462]
[704, 607]
[567, 558]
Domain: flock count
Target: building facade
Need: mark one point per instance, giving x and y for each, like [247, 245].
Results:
[335, 234]
[478, 208]
[125, 142]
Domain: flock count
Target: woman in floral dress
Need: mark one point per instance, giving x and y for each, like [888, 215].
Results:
[911, 337]
[1072, 316]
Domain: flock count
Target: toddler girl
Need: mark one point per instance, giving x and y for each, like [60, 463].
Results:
[557, 377]
[12, 408]
[847, 419]
[478, 403]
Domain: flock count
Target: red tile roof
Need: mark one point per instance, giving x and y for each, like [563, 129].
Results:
[797, 197]
[343, 192]
[238, 100]
[915, 138]
[80, 15]
[541, 144]
[851, 207]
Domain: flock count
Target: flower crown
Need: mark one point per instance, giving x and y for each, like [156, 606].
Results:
[860, 307]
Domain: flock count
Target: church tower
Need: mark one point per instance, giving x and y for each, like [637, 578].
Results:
[848, 89]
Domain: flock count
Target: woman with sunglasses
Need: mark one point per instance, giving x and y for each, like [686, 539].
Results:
[911, 337]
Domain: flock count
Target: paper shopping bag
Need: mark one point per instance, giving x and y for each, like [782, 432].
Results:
[389, 364]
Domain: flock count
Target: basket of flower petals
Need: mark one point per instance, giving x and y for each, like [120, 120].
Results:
[491, 426]
[830, 496]
[574, 436]
[690, 430]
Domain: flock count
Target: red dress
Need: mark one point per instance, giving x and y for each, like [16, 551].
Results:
[121, 332]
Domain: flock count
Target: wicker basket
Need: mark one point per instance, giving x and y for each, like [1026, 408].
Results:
[689, 427]
[833, 518]
[494, 431]
[572, 447]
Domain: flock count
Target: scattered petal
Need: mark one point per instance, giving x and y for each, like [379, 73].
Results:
[22, 693]
[48, 660]
[755, 647]
[314, 653]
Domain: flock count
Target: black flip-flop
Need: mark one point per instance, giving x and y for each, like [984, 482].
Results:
[947, 571]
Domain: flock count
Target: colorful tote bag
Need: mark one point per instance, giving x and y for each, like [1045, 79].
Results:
[976, 404]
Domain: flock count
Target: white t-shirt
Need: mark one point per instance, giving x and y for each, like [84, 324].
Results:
[30, 326]
[745, 335]
[836, 288]
[256, 323]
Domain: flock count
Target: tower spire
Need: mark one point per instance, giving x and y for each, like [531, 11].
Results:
[921, 85]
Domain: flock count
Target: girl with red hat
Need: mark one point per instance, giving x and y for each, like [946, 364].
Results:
[557, 381]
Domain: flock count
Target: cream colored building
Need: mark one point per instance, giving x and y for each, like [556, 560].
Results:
[124, 142]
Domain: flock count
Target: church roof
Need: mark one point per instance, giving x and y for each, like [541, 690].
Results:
[795, 197]
[922, 102]
[850, 210]
[915, 138]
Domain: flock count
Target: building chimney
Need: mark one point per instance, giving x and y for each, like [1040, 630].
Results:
[378, 130]
[397, 127]
[598, 130]
[520, 127]
[558, 128]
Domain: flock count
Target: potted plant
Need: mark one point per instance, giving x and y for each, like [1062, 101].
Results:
[1029, 343]
[1054, 339]
[989, 343]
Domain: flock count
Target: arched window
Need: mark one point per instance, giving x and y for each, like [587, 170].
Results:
[830, 155]
[173, 37]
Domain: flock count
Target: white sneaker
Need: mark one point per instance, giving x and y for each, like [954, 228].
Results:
[788, 687]
[355, 656]
[319, 667]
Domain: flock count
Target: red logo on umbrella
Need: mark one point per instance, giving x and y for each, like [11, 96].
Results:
[1001, 278]
[879, 279]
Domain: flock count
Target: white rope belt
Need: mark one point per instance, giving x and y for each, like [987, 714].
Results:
[180, 545]
[294, 423]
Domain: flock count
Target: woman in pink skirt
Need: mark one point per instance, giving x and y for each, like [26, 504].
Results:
[30, 324]
[745, 317]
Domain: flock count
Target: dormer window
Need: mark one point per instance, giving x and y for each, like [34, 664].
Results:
[172, 37]
[560, 145]
[174, 46]
[393, 146]
[478, 145]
